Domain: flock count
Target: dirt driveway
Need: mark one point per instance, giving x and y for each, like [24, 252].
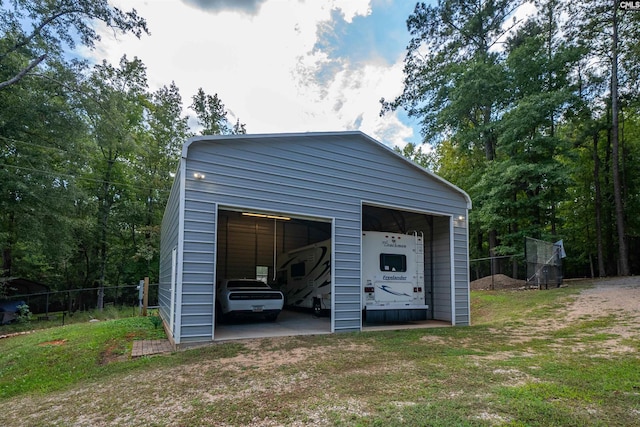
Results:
[616, 295]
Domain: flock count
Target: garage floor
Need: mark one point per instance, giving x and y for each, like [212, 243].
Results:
[288, 323]
[291, 323]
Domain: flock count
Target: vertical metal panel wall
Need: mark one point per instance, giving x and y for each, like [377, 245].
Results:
[442, 292]
[324, 175]
[198, 299]
[461, 272]
[170, 231]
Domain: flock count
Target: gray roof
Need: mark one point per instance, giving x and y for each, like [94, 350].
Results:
[254, 137]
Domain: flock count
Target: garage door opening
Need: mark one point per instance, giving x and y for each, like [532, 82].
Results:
[281, 251]
[434, 263]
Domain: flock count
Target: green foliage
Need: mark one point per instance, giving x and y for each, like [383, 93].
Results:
[36, 32]
[87, 155]
[23, 315]
[513, 109]
[212, 115]
[156, 321]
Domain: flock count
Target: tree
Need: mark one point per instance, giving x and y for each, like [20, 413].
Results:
[52, 25]
[415, 153]
[212, 115]
[597, 26]
[39, 155]
[155, 162]
[113, 100]
[455, 81]
[528, 169]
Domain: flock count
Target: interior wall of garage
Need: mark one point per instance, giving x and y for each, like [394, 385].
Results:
[245, 242]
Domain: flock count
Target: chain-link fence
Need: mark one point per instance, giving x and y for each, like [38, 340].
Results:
[72, 300]
[509, 265]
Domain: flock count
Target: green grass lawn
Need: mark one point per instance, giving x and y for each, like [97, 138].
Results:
[520, 364]
[55, 358]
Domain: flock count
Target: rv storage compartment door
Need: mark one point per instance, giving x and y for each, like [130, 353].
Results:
[393, 292]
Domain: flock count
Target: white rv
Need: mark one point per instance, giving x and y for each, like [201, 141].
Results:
[305, 277]
[392, 276]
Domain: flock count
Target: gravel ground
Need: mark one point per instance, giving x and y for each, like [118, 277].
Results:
[615, 295]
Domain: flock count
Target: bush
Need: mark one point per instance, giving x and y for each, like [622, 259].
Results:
[157, 321]
[23, 315]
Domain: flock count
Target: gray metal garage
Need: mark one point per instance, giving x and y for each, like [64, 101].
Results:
[240, 202]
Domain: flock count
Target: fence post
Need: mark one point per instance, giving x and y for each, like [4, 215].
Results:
[140, 294]
[145, 297]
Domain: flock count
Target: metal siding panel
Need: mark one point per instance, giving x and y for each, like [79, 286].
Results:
[348, 307]
[326, 169]
[170, 238]
[461, 271]
[198, 278]
[195, 332]
[442, 304]
[200, 257]
[348, 325]
[326, 161]
[199, 247]
[197, 287]
[346, 281]
[198, 263]
[251, 245]
[197, 298]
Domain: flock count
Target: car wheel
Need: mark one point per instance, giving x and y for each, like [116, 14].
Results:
[220, 316]
[271, 317]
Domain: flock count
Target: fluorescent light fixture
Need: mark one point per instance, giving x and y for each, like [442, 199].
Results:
[198, 175]
[259, 215]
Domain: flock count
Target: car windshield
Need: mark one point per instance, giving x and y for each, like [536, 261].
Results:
[235, 284]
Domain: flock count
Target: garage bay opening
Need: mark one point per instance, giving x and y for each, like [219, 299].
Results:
[290, 255]
[406, 266]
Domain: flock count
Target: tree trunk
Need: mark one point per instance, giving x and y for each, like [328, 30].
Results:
[105, 208]
[598, 206]
[7, 250]
[623, 263]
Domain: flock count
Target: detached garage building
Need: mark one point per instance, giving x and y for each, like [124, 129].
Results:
[240, 202]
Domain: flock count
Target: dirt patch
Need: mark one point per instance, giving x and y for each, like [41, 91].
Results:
[617, 297]
[497, 282]
[112, 353]
[259, 359]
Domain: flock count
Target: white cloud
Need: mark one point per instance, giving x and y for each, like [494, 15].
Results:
[263, 66]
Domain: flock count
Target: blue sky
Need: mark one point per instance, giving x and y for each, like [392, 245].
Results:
[279, 65]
